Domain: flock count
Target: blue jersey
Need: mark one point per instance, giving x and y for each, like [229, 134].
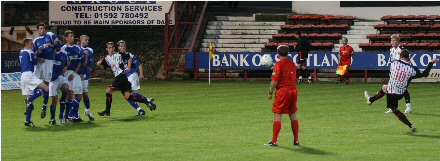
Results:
[90, 62]
[135, 63]
[59, 63]
[47, 52]
[74, 55]
[27, 60]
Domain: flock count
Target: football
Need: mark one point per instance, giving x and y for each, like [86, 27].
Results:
[266, 60]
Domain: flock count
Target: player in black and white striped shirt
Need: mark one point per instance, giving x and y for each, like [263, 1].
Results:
[401, 74]
[395, 51]
[116, 62]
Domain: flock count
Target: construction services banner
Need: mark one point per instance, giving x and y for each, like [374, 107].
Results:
[316, 60]
[65, 13]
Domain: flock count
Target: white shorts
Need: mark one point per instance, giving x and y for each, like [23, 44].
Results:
[75, 85]
[28, 83]
[85, 85]
[55, 86]
[134, 80]
[44, 70]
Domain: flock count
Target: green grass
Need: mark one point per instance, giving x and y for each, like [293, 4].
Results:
[228, 121]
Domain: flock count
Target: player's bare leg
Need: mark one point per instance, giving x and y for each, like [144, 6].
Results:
[295, 128]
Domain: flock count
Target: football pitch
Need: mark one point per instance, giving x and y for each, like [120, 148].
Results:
[228, 121]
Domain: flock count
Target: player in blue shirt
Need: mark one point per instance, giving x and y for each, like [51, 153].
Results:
[85, 72]
[72, 69]
[43, 70]
[58, 82]
[31, 86]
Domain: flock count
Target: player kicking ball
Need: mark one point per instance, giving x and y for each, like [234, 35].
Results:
[284, 80]
[401, 73]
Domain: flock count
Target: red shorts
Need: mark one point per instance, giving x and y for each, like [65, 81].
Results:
[285, 101]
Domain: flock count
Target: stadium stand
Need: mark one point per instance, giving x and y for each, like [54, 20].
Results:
[417, 33]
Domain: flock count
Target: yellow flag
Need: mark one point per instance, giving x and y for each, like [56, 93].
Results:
[341, 69]
[211, 51]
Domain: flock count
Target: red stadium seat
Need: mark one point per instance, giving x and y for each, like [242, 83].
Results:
[387, 44]
[435, 26]
[343, 26]
[420, 17]
[370, 36]
[312, 35]
[319, 26]
[380, 26]
[408, 17]
[291, 44]
[271, 44]
[425, 26]
[315, 17]
[404, 25]
[326, 17]
[348, 17]
[282, 43]
[410, 44]
[303, 17]
[364, 45]
[423, 44]
[376, 44]
[337, 17]
[405, 36]
[296, 27]
[327, 44]
[433, 17]
[286, 26]
[315, 44]
[398, 17]
[278, 36]
[289, 35]
[307, 26]
[294, 17]
[331, 26]
[434, 45]
[387, 17]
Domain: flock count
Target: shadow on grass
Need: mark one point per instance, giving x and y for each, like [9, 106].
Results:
[131, 118]
[426, 114]
[423, 135]
[64, 127]
[306, 150]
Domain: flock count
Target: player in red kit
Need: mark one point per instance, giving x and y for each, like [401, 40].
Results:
[284, 80]
[345, 54]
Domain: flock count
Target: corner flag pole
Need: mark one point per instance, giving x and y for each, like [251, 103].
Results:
[209, 68]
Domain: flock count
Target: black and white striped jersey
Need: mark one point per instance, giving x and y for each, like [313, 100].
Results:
[395, 52]
[115, 62]
[401, 74]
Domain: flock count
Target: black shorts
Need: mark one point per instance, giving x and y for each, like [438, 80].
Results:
[121, 83]
[393, 100]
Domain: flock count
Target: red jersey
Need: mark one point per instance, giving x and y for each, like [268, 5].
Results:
[344, 53]
[285, 73]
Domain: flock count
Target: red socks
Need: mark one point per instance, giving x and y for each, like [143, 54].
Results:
[295, 129]
[276, 131]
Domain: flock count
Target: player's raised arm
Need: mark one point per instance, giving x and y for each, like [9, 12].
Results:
[425, 73]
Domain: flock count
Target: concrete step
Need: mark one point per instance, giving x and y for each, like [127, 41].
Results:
[372, 23]
[218, 27]
[349, 37]
[219, 45]
[233, 18]
[236, 41]
[241, 32]
[232, 49]
[361, 32]
[362, 27]
[245, 23]
[238, 36]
